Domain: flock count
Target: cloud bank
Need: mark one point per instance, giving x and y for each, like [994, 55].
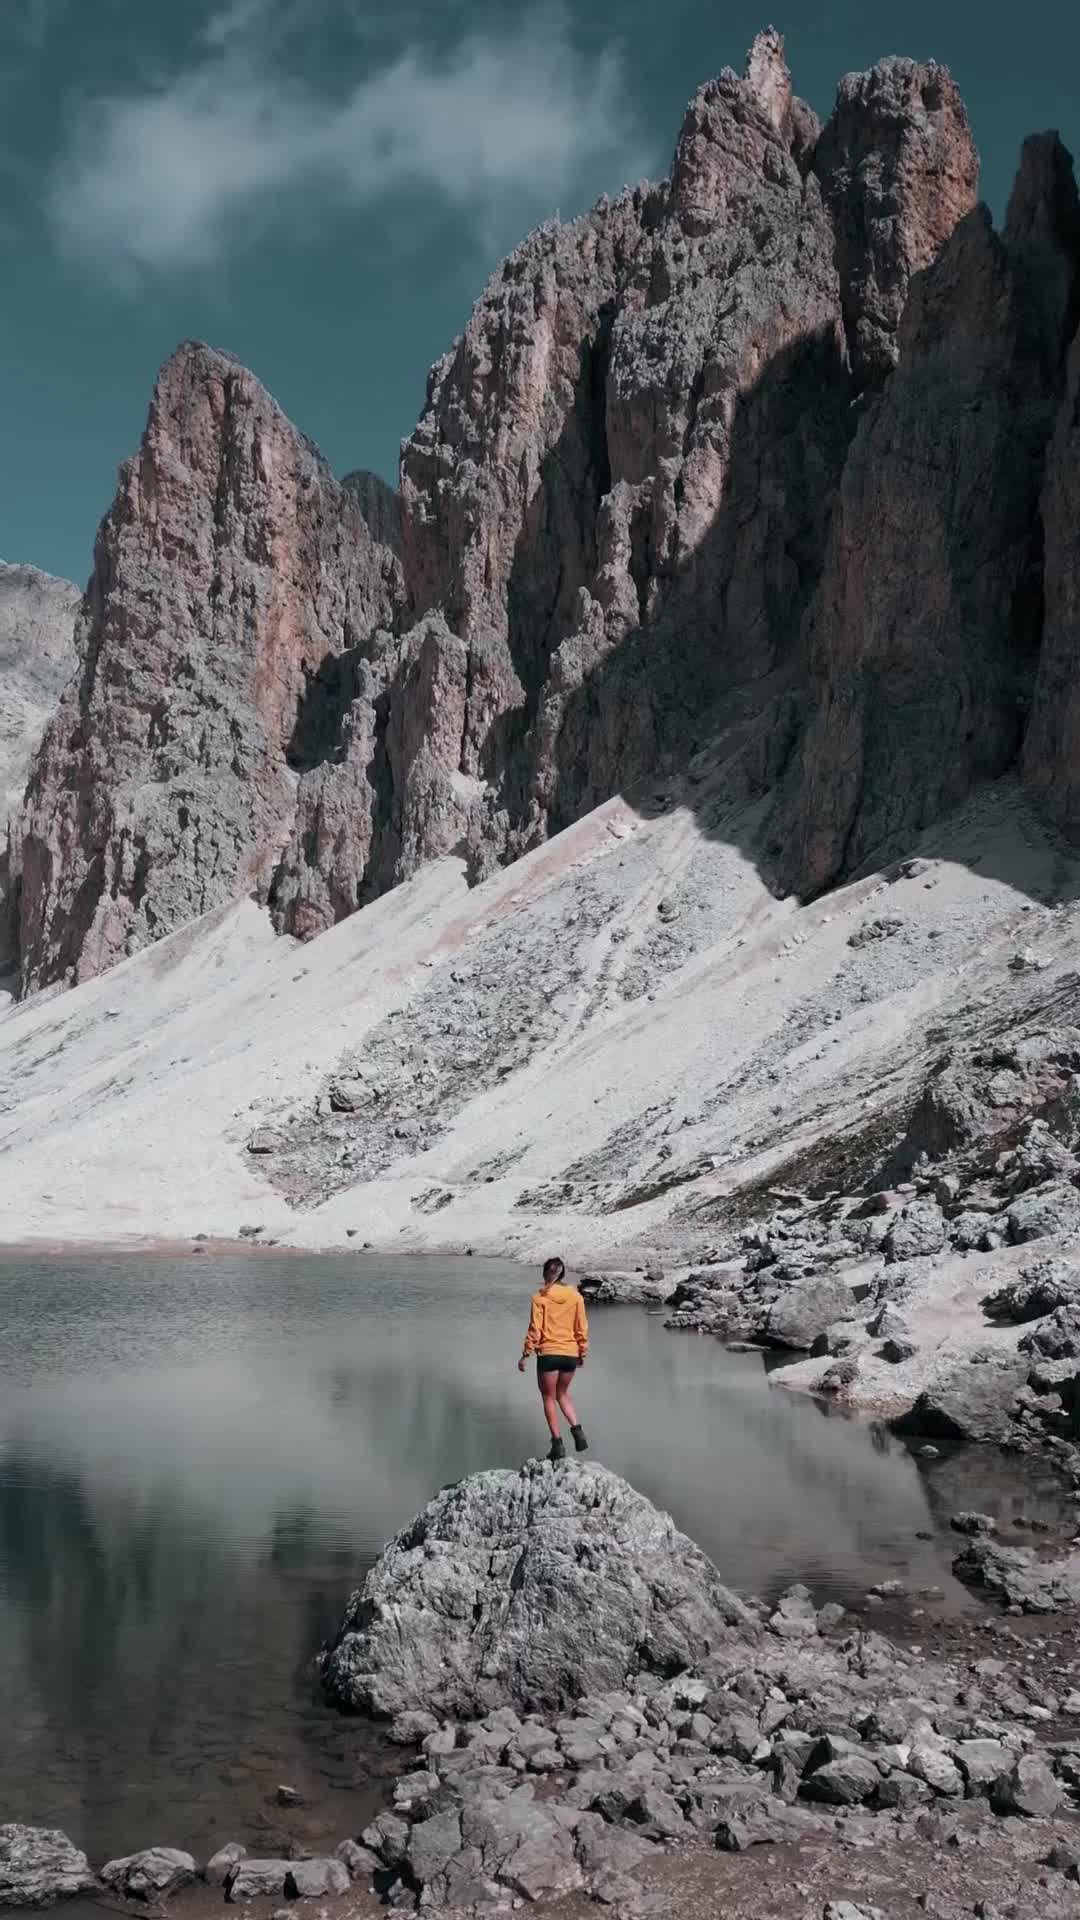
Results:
[178, 175]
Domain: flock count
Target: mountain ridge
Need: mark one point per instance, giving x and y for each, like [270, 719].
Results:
[771, 445]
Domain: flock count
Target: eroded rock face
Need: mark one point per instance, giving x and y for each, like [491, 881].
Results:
[986, 1096]
[527, 1589]
[235, 588]
[37, 659]
[924, 633]
[379, 505]
[1052, 746]
[899, 170]
[621, 481]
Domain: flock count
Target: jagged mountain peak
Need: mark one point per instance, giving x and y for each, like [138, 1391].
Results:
[639, 511]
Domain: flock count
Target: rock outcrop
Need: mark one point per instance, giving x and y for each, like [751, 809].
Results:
[37, 659]
[527, 1589]
[985, 1096]
[39, 1865]
[898, 171]
[235, 592]
[787, 1729]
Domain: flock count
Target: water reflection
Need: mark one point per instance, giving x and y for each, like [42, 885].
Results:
[198, 1459]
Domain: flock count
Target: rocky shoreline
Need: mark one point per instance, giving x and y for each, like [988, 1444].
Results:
[583, 1710]
[944, 1294]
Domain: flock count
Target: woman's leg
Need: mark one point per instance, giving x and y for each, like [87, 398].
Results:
[549, 1386]
[562, 1395]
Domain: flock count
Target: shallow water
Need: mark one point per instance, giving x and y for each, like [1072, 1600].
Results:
[199, 1458]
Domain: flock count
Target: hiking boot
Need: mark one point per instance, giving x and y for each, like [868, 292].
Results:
[557, 1452]
[581, 1445]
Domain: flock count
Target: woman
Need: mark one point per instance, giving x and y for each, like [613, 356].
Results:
[559, 1336]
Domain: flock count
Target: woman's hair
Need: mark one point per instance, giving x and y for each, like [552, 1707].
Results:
[554, 1269]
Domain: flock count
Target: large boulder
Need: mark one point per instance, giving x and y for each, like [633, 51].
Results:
[805, 1312]
[1016, 1576]
[918, 1230]
[152, 1874]
[1052, 1209]
[527, 1588]
[973, 1401]
[39, 1865]
[1058, 1337]
[1029, 1789]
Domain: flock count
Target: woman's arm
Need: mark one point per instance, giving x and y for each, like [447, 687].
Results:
[535, 1330]
[581, 1328]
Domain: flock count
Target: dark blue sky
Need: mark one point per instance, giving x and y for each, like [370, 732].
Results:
[322, 186]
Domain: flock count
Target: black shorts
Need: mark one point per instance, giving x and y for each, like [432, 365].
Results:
[555, 1363]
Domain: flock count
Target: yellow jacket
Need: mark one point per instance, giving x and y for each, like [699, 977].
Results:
[557, 1323]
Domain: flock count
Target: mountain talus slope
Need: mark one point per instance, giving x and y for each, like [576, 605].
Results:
[597, 1046]
[660, 476]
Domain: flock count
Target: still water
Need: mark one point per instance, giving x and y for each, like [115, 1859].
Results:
[200, 1457]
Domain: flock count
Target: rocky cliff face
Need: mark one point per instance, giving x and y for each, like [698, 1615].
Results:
[763, 445]
[898, 171]
[625, 526]
[925, 630]
[235, 591]
[1052, 746]
[37, 658]
[645, 491]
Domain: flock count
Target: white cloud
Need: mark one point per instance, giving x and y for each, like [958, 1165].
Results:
[177, 176]
[233, 22]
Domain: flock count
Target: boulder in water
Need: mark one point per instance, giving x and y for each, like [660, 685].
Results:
[527, 1588]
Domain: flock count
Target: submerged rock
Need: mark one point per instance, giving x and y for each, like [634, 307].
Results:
[39, 1865]
[527, 1588]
